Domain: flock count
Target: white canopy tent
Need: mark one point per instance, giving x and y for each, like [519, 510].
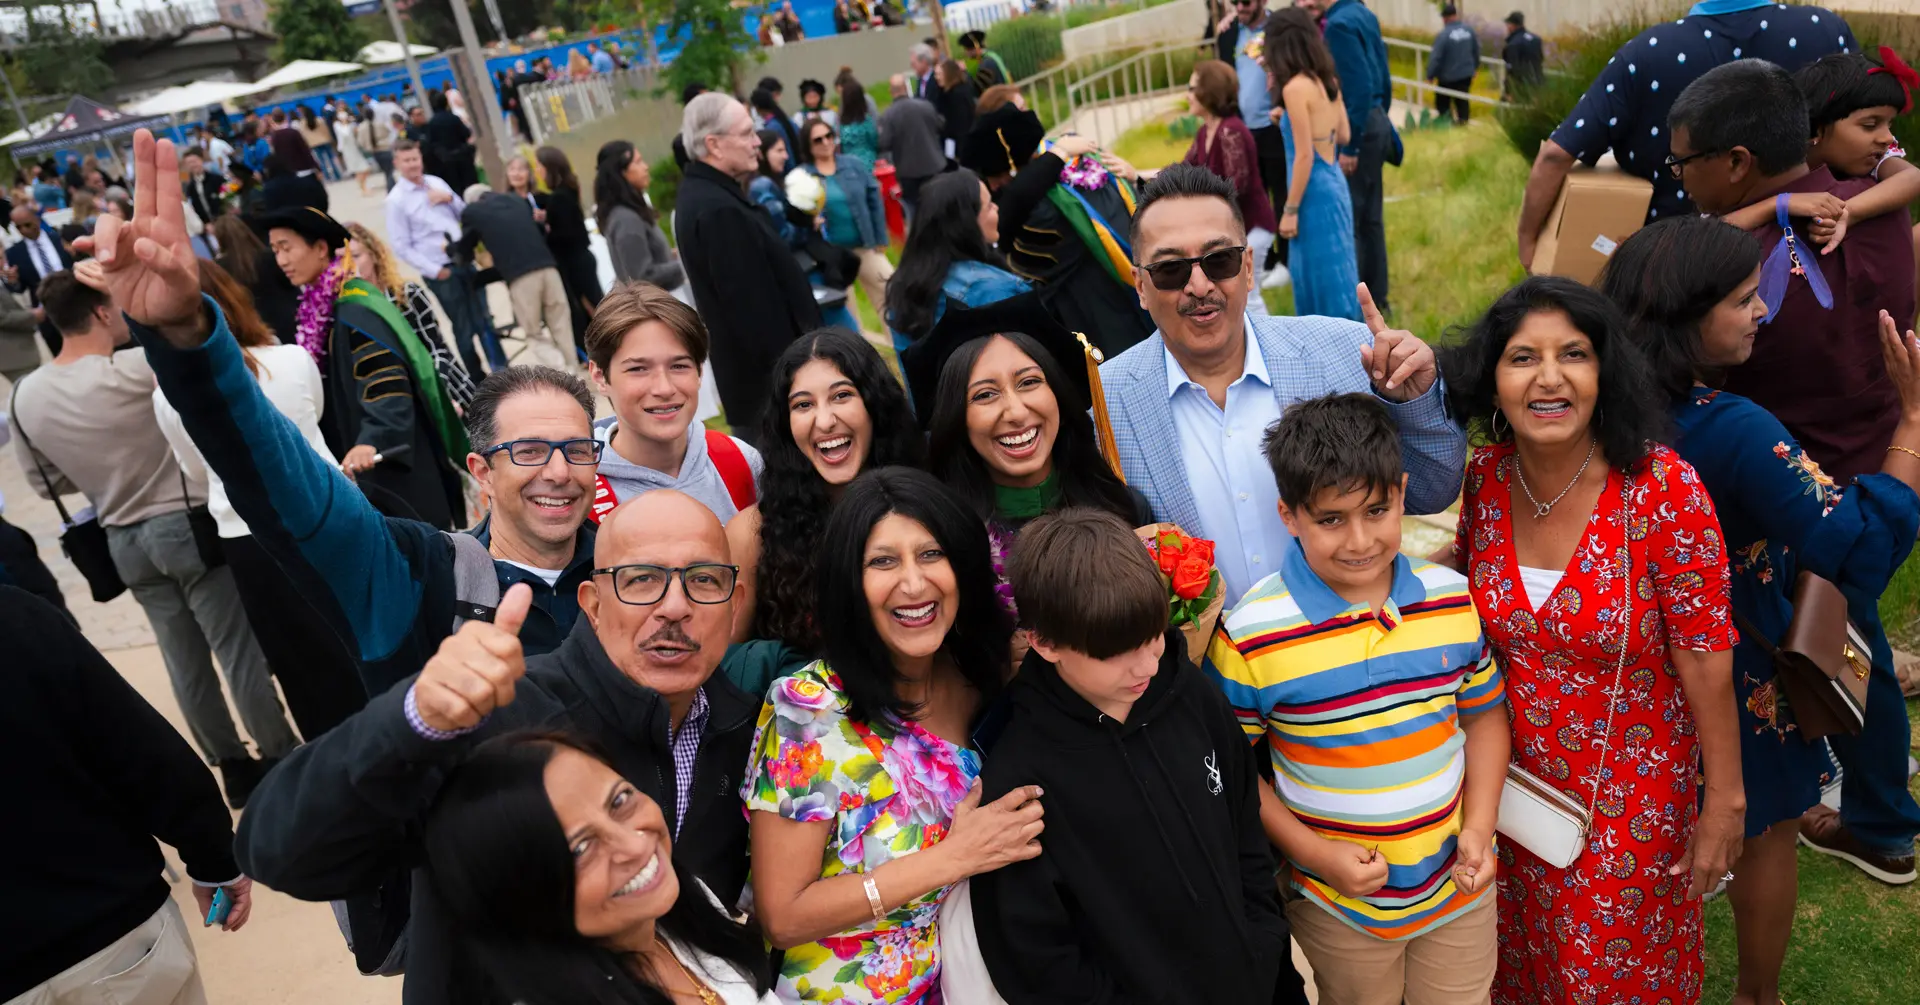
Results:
[302, 70]
[38, 128]
[192, 97]
[387, 51]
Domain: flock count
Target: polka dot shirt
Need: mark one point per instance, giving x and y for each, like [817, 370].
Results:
[1626, 108]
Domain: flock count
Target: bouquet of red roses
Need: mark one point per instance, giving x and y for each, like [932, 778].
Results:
[1194, 593]
[1186, 564]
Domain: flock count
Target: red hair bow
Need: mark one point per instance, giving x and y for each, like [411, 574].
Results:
[1906, 75]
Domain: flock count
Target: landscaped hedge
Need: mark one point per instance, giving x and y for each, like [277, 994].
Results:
[1028, 43]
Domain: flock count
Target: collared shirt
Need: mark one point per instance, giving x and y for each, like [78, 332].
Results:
[1255, 101]
[1626, 108]
[1232, 483]
[1360, 714]
[418, 229]
[601, 62]
[45, 254]
[685, 744]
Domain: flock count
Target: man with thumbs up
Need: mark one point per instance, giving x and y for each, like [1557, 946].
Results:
[635, 678]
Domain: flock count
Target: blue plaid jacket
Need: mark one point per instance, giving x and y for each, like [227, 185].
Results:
[1307, 358]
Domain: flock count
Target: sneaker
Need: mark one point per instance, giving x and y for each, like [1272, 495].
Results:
[238, 779]
[1822, 831]
[1278, 279]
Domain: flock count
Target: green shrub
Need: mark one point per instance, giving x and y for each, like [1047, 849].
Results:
[1582, 56]
[1028, 43]
[664, 191]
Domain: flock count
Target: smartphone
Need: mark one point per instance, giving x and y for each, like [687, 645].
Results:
[222, 904]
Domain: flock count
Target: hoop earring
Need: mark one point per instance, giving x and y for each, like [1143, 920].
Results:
[1494, 424]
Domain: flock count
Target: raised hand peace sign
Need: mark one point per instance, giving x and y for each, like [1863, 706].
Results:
[147, 263]
[1398, 363]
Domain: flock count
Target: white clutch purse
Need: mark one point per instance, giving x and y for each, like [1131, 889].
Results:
[1535, 814]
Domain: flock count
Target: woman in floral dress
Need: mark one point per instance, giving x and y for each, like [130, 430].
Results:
[863, 786]
[1580, 536]
[1691, 289]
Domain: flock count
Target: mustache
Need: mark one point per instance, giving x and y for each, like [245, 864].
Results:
[674, 635]
[1195, 305]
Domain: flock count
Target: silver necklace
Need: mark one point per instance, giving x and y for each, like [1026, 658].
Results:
[1541, 509]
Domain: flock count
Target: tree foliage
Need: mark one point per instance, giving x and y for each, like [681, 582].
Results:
[715, 41]
[316, 29]
[59, 58]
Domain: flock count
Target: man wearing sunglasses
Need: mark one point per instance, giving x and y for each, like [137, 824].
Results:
[1191, 404]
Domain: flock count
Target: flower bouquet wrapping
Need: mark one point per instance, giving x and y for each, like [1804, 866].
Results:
[1194, 592]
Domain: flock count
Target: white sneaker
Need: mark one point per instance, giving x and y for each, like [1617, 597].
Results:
[1278, 279]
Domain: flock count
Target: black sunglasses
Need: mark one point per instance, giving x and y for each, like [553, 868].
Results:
[1675, 164]
[1219, 266]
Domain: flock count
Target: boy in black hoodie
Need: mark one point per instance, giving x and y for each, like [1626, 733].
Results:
[1155, 882]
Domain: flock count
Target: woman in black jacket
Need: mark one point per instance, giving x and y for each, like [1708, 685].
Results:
[567, 236]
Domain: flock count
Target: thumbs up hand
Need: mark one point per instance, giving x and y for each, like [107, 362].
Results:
[1399, 364]
[476, 668]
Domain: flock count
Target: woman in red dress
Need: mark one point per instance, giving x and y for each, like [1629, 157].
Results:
[1568, 504]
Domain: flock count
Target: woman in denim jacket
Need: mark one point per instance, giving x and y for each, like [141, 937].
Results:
[854, 217]
[949, 255]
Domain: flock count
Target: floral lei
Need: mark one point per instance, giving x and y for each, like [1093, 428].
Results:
[314, 319]
[1085, 172]
[999, 546]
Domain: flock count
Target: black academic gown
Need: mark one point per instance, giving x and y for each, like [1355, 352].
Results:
[373, 398]
[1043, 248]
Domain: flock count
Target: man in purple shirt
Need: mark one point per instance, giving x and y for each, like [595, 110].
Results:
[1738, 136]
[423, 221]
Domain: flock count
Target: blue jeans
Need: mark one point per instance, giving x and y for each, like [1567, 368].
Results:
[467, 314]
[329, 161]
[1875, 803]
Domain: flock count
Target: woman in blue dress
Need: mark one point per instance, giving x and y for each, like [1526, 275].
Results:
[1690, 287]
[1317, 219]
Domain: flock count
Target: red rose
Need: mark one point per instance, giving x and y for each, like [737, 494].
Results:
[1191, 577]
[1168, 557]
[1201, 548]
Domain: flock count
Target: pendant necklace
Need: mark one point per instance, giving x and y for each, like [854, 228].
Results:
[1541, 509]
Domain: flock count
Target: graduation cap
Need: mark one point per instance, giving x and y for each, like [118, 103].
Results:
[1077, 357]
[1001, 141]
[306, 221]
[975, 39]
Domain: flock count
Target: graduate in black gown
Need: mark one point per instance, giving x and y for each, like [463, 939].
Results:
[387, 416]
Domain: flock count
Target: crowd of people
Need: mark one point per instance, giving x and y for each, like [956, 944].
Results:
[1056, 643]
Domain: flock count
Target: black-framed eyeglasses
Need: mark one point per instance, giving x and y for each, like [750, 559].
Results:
[1219, 266]
[1246, 3]
[642, 585]
[536, 453]
[823, 138]
[1675, 164]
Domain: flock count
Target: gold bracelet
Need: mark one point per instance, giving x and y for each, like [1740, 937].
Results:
[1915, 454]
[873, 901]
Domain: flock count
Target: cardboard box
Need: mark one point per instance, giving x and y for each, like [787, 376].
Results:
[1597, 209]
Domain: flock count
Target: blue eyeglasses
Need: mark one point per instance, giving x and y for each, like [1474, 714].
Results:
[536, 453]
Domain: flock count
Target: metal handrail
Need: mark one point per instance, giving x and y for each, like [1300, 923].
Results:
[1072, 87]
[1420, 85]
[557, 106]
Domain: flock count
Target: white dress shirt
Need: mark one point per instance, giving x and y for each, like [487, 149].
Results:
[1232, 484]
[418, 229]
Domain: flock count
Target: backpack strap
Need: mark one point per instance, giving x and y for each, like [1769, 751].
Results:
[731, 462]
[476, 583]
[604, 500]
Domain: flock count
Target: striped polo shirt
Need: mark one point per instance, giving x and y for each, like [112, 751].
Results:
[1361, 718]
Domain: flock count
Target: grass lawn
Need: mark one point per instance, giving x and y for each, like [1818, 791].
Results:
[1450, 214]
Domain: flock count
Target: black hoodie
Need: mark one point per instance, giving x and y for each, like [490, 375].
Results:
[1155, 882]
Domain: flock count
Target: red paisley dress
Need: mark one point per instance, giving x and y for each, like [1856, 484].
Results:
[1612, 929]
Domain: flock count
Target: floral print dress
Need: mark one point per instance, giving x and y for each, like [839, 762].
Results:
[1783, 515]
[1612, 928]
[888, 790]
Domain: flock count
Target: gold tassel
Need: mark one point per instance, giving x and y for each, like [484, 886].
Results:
[1102, 423]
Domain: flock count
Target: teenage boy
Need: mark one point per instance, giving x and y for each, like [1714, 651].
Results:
[1154, 882]
[645, 351]
[1365, 676]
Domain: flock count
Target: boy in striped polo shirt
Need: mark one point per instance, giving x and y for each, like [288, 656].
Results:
[1367, 675]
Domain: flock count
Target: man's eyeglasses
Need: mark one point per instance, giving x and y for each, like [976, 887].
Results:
[642, 585]
[1219, 266]
[1246, 3]
[536, 453]
[1675, 164]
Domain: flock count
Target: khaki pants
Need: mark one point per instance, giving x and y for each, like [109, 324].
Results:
[151, 965]
[540, 300]
[1451, 965]
[875, 270]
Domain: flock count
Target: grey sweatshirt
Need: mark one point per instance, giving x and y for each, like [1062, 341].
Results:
[698, 477]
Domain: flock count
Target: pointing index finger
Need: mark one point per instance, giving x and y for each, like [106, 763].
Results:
[145, 175]
[166, 165]
[1375, 323]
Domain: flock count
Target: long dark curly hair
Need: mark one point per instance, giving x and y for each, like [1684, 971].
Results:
[794, 502]
[1630, 415]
